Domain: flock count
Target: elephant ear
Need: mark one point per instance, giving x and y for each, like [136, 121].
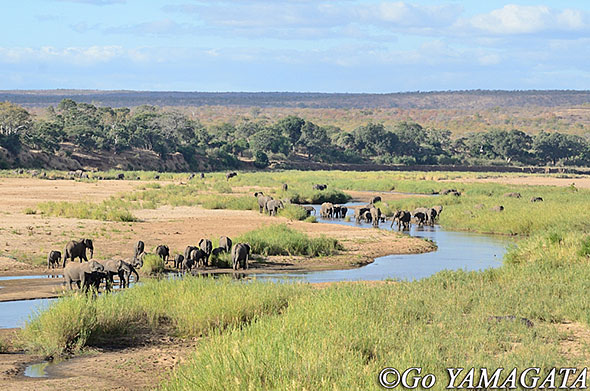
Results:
[88, 243]
[119, 264]
[247, 245]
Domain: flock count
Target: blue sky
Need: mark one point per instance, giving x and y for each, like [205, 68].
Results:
[295, 45]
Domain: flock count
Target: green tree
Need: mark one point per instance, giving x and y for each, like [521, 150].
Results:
[261, 160]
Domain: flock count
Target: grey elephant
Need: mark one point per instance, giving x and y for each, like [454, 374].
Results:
[336, 212]
[375, 216]
[139, 249]
[375, 199]
[262, 200]
[206, 246]
[309, 209]
[537, 199]
[121, 269]
[217, 251]
[273, 207]
[79, 272]
[187, 264]
[438, 209]
[93, 281]
[187, 251]
[198, 257]
[285, 187]
[163, 252]
[77, 249]
[343, 211]
[121, 176]
[420, 217]
[430, 216]
[53, 259]
[360, 211]
[178, 259]
[320, 187]
[512, 195]
[327, 210]
[191, 176]
[239, 255]
[367, 217]
[402, 218]
[230, 175]
[497, 208]
[225, 243]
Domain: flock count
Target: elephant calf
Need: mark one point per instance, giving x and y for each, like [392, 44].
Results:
[178, 260]
[53, 259]
[239, 256]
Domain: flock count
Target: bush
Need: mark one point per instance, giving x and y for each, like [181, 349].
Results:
[152, 264]
[584, 247]
[261, 160]
[293, 212]
[282, 240]
[108, 210]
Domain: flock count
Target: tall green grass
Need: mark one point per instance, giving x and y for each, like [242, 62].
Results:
[341, 337]
[109, 210]
[152, 264]
[189, 307]
[282, 240]
[293, 212]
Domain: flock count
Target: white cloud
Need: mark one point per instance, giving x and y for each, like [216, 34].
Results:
[519, 19]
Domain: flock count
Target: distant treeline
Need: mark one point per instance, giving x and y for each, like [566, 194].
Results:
[165, 132]
[472, 99]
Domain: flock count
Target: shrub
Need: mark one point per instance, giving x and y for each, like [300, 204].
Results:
[261, 160]
[282, 240]
[152, 264]
[30, 211]
[584, 250]
[293, 212]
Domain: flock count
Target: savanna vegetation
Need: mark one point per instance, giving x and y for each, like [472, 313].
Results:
[262, 335]
[260, 140]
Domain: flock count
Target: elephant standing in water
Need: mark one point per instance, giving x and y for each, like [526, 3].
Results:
[375, 216]
[239, 255]
[53, 259]
[402, 218]
[80, 272]
[77, 249]
[327, 210]
[121, 269]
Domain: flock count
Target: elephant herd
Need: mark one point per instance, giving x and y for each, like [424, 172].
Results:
[329, 210]
[421, 216]
[88, 274]
[268, 204]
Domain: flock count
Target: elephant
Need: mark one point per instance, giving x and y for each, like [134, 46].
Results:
[202, 175]
[374, 200]
[327, 210]
[163, 252]
[206, 246]
[191, 176]
[285, 187]
[187, 264]
[121, 176]
[512, 195]
[336, 211]
[178, 260]
[420, 217]
[53, 259]
[359, 212]
[536, 199]
[320, 187]
[77, 249]
[273, 206]
[422, 210]
[225, 243]
[343, 211]
[218, 251]
[187, 251]
[431, 215]
[121, 269]
[79, 272]
[230, 175]
[198, 257]
[375, 216]
[262, 201]
[239, 255]
[438, 209]
[139, 248]
[308, 209]
[497, 208]
[403, 219]
[93, 281]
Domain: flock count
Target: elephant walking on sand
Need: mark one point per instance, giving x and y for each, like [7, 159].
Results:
[77, 249]
[262, 201]
[239, 255]
[273, 207]
[53, 259]
[80, 272]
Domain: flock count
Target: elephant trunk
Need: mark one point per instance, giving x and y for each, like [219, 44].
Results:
[136, 274]
[91, 252]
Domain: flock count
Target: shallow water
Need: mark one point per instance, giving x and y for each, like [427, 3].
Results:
[8, 278]
[15, 313]
[456, 250]
[37, 370]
